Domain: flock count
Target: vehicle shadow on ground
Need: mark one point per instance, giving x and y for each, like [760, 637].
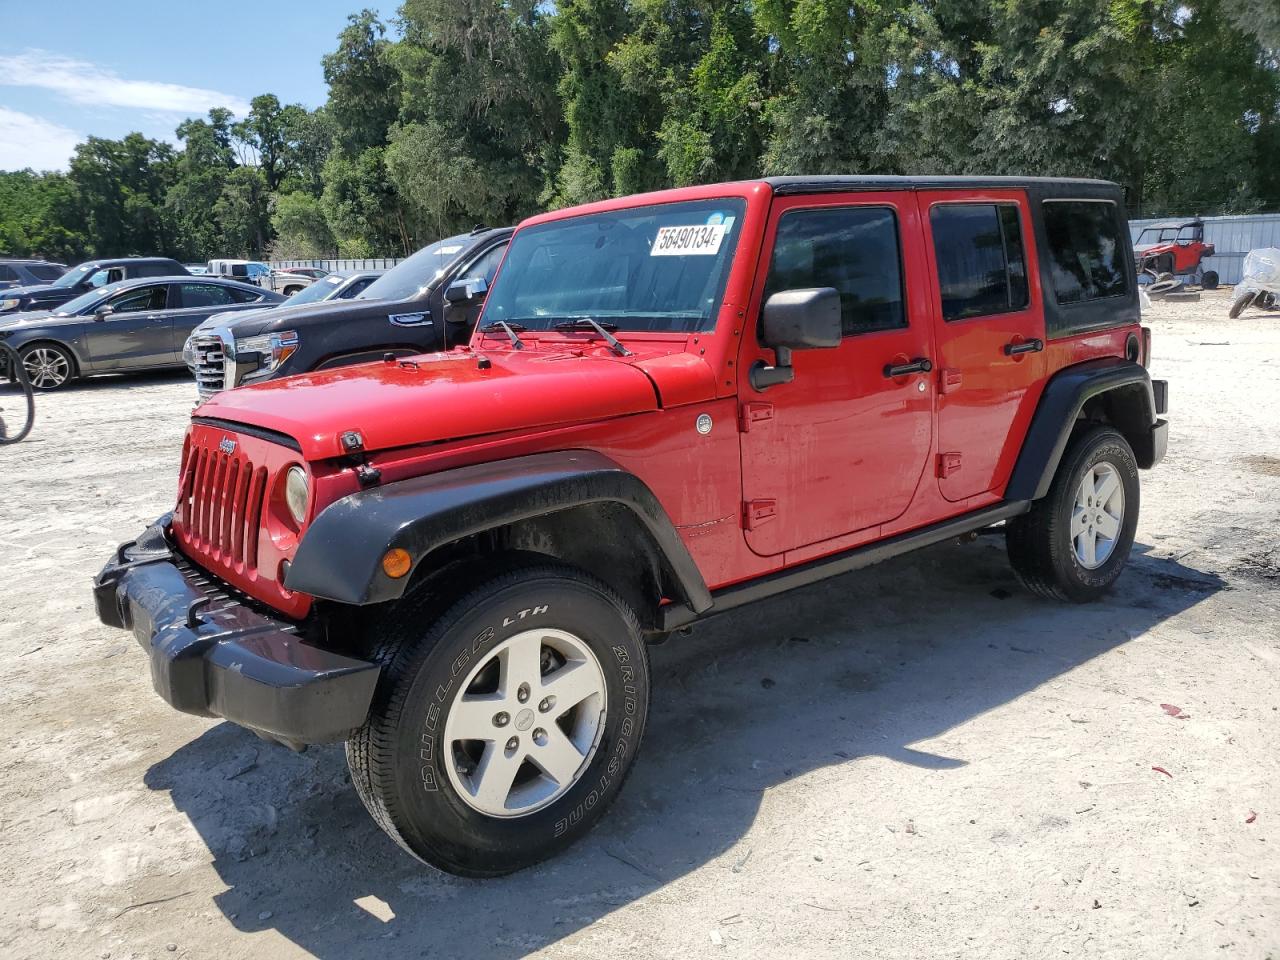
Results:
[863, 665]
[109, 381]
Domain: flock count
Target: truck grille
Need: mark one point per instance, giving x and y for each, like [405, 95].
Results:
[221, 505]
[211, 364]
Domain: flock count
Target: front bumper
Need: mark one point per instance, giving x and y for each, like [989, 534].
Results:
[213, 655]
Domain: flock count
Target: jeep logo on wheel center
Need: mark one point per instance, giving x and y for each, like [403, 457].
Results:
[892, 362]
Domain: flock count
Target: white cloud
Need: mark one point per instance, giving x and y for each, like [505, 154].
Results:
[27, 141]
[84, 83]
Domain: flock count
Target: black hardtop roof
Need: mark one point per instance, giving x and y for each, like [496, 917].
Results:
[1042, 186]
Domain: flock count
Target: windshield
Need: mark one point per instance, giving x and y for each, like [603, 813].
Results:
[409, 278]
[86, 301]
[659, 268]
[322, 289]
[1156, 235]
[74, 276]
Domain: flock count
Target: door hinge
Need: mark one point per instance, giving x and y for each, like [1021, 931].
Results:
[949, 380]
[754, 412]
[948, 463]
[758, 512]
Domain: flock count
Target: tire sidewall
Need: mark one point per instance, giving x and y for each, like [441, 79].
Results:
[1102, 445]
[436, 818]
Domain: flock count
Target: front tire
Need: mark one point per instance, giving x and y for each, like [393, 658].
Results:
[48, 366]
[501, 732]
[1073, 544]
[1241, 301]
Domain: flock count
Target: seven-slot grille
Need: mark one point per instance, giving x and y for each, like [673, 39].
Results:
[223, 495]
[210, 365]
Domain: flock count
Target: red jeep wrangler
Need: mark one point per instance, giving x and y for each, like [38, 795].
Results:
[675, 404]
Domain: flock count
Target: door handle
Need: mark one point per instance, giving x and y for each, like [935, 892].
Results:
[1030, 346]
[919, 365]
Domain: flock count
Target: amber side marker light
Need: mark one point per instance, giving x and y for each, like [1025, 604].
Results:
[396, 563]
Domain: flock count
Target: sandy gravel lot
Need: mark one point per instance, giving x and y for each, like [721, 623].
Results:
[915, 761]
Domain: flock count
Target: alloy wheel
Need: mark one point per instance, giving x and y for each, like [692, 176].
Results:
[46, 367]
[1097, 515]
[525, 723]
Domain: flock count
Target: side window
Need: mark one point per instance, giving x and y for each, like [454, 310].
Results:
[239, 296]
[206, 295]
[145, 298]
[486, 266]
[356, 288]
[8, 274]
[1085, 250]
[854, 249]
[981, 266]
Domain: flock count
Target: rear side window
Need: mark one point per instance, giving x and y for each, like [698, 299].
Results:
[46, 271]
[981, 266]
[855, 250]
[1085, 251]
[206, 295]
[243, 296]
[9, 274]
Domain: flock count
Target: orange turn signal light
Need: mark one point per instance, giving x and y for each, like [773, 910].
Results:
[396, 563]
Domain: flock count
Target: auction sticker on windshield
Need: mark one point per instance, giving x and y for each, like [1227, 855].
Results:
[700, 240]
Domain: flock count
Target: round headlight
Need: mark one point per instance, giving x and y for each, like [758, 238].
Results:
[295, 493]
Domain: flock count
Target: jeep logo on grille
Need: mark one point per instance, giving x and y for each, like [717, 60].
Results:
[227, 446]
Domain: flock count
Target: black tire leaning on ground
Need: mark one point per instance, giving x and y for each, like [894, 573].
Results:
[398, 758]
[1040, 545]
[1241, 301]
[1209, 280]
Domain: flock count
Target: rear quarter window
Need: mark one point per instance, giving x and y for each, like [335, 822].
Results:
[1086, 255]
[46, 271]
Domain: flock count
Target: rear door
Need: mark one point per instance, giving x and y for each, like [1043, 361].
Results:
[843, 446]
[135, 333]
[989, 317]
[198, 300]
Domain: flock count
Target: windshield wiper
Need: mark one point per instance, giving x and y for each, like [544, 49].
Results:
[508, 328]
[577, 323]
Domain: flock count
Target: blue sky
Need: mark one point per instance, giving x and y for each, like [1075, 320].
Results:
[71, 68]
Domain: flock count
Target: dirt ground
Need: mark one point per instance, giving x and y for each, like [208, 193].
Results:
[918, 760]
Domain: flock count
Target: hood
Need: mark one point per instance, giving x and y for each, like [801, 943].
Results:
[250, 323]
[43, 293]
[34, 318]
[438, 396]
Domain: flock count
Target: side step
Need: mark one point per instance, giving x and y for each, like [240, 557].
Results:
[675, 616]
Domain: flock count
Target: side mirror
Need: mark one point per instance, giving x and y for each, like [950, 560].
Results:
[469, 289]
[460, 295]
[103, 312]
[806, 319]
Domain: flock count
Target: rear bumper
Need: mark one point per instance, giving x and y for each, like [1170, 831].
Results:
[214, 656]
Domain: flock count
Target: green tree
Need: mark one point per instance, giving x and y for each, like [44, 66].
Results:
[480, 128]
[267, 132]
[120, 188]
[364, 84]
[301, 228]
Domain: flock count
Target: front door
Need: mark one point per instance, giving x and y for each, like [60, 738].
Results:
[843, 446]
[990, 322]
[136, 333]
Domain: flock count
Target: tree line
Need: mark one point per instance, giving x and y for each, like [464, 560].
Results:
[485, 111]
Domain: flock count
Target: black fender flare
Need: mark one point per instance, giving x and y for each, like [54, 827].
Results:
[1060, 405]
[340, 556]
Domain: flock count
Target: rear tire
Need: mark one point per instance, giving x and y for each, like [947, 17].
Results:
[1073, 544]
[457, 704]
[1209, 280]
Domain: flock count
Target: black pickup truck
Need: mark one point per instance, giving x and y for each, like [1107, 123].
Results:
[429, 302]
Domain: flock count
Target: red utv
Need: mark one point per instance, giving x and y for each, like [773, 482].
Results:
[1175, 248]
